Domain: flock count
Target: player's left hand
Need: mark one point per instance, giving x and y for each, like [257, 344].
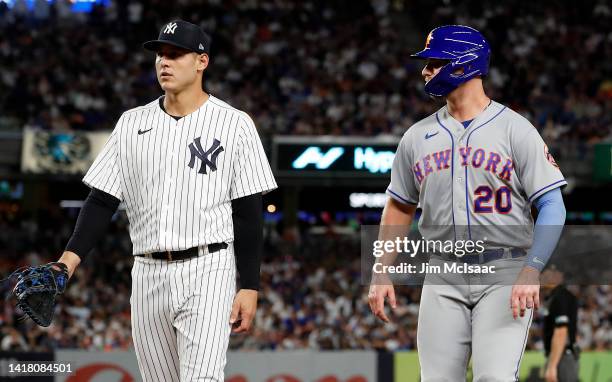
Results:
[525, 292]
[37, 288]
[243, 310]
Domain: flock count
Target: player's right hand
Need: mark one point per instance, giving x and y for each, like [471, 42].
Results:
[376, 298]
[525, 292]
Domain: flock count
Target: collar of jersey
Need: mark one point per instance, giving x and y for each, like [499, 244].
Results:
[176, 117]
[491, 109]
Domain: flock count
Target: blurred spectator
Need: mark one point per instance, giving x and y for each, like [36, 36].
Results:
[13, 341]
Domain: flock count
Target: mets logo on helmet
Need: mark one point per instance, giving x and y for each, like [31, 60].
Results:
[428, 40]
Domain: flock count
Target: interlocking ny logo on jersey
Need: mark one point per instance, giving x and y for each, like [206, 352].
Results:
[170, 28]
[197, 151]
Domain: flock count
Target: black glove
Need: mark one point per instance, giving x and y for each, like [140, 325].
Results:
[37, 288]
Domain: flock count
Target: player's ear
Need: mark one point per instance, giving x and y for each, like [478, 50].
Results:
[202, 61]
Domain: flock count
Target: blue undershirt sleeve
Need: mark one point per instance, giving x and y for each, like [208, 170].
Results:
[548, 228]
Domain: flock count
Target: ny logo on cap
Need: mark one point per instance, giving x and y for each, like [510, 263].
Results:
[170, 28]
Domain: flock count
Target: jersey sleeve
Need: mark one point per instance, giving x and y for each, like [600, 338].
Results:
[252, 172]
[104, 172]
[403, 187]
[536, 168]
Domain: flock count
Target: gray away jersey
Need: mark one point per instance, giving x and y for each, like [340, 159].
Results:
[466, 179]
[177, 178]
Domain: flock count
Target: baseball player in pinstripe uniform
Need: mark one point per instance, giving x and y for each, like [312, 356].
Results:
[191, 171]
[473, 167]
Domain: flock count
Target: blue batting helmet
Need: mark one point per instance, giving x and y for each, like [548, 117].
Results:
[464, 47]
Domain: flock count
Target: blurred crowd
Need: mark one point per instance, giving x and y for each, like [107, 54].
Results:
[312, 294]
[306, 67]
[94, 312]
[298, 67]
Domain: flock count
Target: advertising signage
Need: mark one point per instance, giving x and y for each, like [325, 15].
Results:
[333, 156]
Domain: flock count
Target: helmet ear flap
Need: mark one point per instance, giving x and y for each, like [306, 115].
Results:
[485, 70]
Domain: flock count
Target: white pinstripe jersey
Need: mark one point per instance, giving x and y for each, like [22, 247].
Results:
[177, 178]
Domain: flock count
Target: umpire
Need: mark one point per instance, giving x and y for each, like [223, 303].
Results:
[559, 329]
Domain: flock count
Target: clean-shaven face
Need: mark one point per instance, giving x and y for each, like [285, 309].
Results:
[177, 68]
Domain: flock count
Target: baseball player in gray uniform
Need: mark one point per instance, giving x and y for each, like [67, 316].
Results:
[472, 167]
[191, 171]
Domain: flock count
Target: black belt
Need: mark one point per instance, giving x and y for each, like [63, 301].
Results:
[484, 257]
[184, 254]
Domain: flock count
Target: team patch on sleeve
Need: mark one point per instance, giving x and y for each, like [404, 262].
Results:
[560, 320]
[549, 156]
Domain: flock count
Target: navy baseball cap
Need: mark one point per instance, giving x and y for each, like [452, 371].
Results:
[182, 34]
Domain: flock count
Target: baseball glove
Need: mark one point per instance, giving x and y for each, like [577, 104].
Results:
[37, 288]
